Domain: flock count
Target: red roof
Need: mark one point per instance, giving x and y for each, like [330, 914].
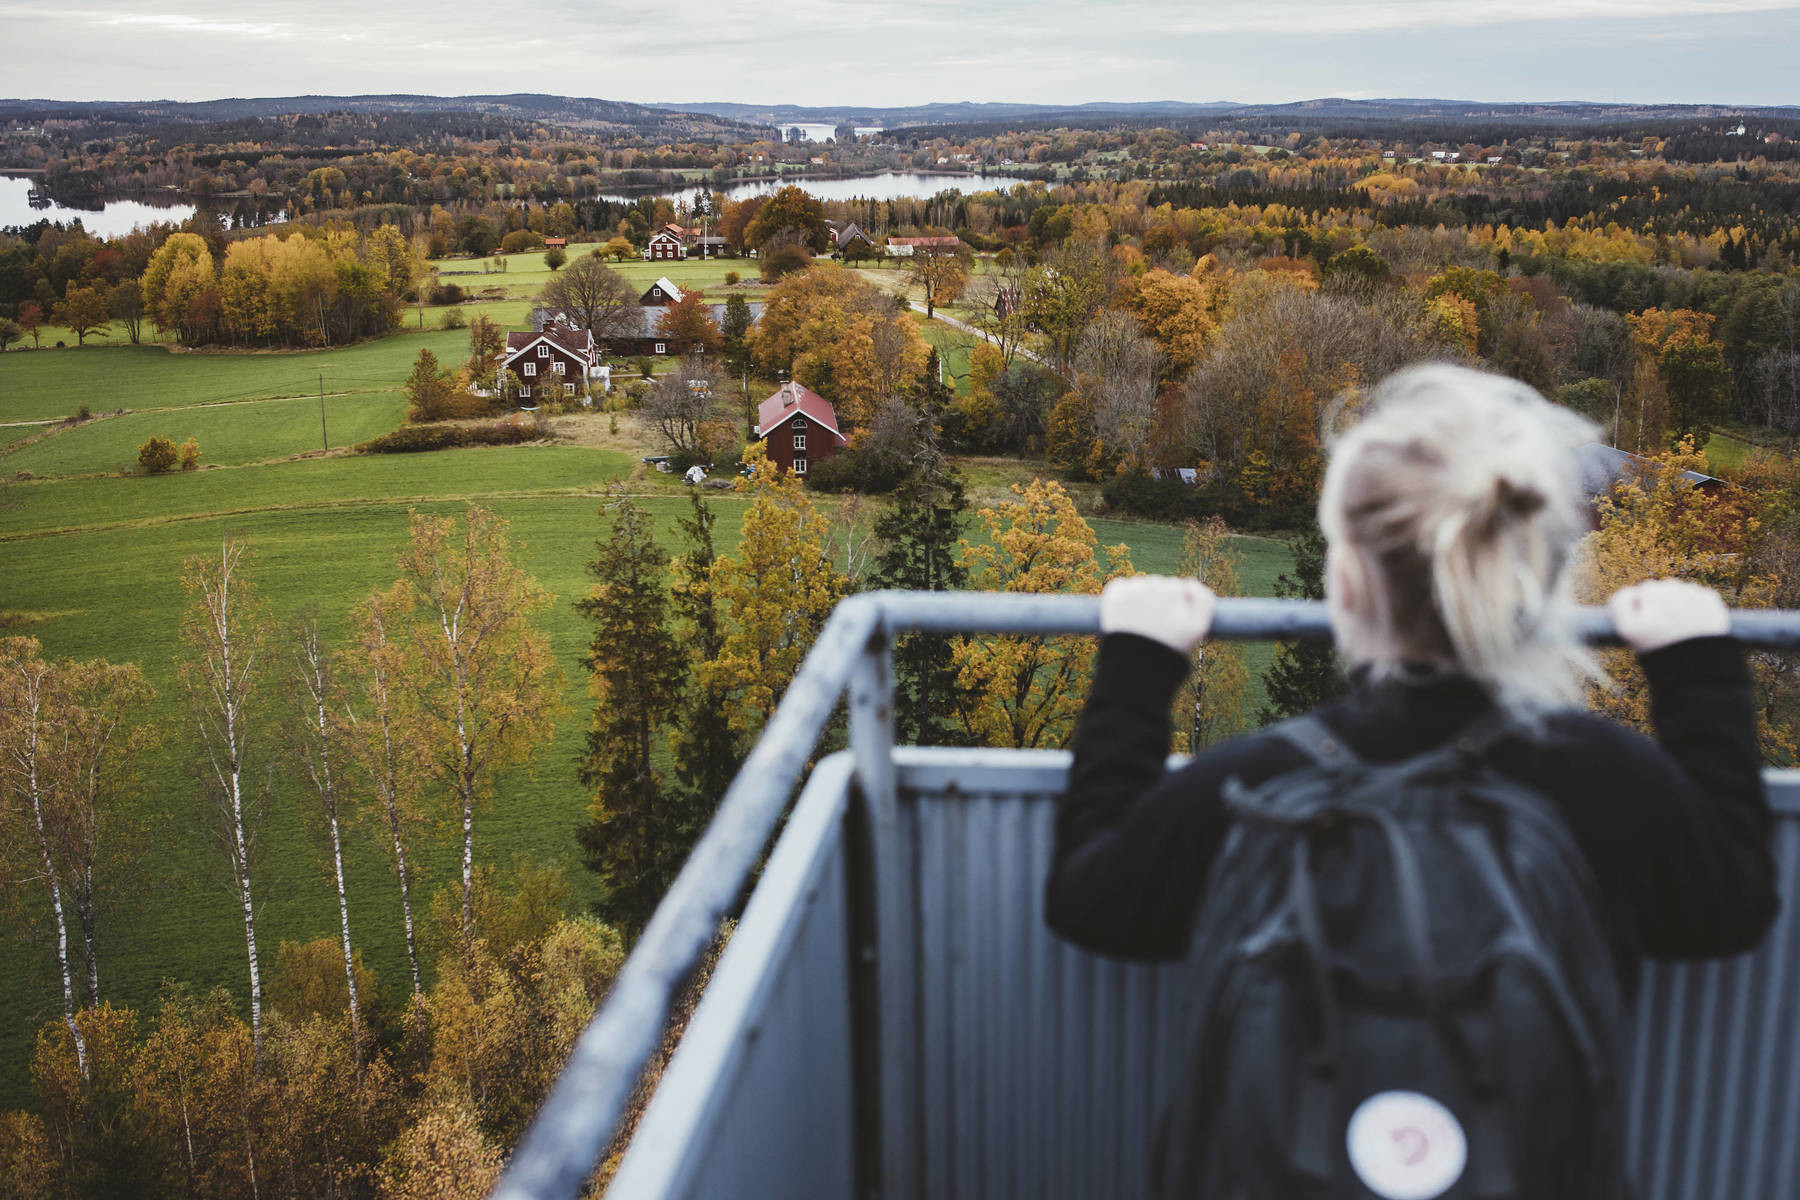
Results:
[797, 398]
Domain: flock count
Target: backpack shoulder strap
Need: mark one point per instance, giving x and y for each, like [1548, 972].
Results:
[1313, 738]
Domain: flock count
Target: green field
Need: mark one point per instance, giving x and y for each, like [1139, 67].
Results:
[90, 565]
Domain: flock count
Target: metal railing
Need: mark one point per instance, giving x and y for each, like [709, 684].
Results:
[853, 652]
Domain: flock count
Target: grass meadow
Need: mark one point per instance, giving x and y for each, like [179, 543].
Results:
[90, 564]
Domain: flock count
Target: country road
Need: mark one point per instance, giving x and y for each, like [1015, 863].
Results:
[1021, 351]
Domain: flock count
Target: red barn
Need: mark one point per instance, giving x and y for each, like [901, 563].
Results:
[798, 426]
[664, 247]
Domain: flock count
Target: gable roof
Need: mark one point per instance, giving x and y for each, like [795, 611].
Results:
[850, 233]
[792, 398]
[664, 235]
[578, 343]
[668, 289]
[1600, 467]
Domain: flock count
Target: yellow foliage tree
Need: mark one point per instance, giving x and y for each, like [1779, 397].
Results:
[1180, 312]
[779, 587]
[1026, 692]
[1214, 702]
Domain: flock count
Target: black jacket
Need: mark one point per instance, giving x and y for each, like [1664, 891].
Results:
[1677, 830]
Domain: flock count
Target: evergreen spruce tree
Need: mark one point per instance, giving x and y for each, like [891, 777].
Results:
[707, 751]
[635, 839]
[919, 531]
[1305, 674]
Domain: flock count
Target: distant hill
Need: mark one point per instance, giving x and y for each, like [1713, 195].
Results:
[946, 113]
[570, 112]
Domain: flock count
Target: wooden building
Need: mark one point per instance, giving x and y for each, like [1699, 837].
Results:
[798, 427]
[555, 359]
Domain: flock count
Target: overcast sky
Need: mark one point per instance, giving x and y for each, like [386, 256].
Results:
[825, 52]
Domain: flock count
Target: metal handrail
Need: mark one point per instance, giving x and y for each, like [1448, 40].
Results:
[579, 1117]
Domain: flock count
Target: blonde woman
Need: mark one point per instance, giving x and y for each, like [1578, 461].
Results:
[1414, 920]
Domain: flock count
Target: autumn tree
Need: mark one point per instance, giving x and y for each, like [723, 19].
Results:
[125, 304]
[428, 389]
[387, 745]
[477, 672]
[30, 710]
[594, 297]
[31, 320]
[223, 636]
[486, 342]
[102, 734]
[1117, 365]
[688, 325]
[1026, 692]
[1212, 703]
[635, 838]
[682, 402]
[778, 587]
[1064, 294]
[618, 249]
[1180, 312]
[941, 273]
[314, 734]
[789, 210]
[85, 311]
[840, 336]
[1690, 365]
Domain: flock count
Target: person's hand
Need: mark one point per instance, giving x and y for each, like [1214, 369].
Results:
[1662, 612]
[1175, 612]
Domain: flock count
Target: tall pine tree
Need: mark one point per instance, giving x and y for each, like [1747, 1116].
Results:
[918, 532]
[1305, 674]
[635, 839]
[706, 749]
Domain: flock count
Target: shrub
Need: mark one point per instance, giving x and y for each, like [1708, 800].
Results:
[521, 240]
[731, 277]
[555, 257]
[856, 470]
[416, 439]
[453, 319]
[84, 413]
[157, 456]
[446, 293]
[190, 455]
[782, 261]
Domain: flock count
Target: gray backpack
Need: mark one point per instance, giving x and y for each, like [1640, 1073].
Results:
[1399, 989]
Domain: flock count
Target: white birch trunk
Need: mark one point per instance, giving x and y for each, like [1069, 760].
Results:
[315, 675]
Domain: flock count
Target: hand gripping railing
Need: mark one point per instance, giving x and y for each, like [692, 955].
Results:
[583, 1110]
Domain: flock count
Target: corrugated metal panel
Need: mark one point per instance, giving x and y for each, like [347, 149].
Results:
[1713, 1100]
[757, 1100]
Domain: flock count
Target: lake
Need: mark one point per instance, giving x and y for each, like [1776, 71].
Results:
[112, 218]
[889, 185]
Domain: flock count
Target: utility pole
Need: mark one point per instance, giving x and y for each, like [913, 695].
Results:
[322, 437]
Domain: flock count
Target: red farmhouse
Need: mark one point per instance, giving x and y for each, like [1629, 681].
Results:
[797, 427]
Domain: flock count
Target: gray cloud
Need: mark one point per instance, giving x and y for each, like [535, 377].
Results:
[828, 51]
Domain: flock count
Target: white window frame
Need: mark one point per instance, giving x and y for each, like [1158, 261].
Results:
[530, 369]
[568, 389]
[662, 348]
[543, 350]
[799, 466]
[797, 423]
[799, 441]
[558, 366]
[524, 393]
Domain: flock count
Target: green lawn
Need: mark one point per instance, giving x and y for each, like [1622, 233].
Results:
[526, 274]
[953, 347]
[229, 434]
[47, 384]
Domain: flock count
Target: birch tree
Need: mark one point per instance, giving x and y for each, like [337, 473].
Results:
[101, 736]
[386, 750]
[482, 678]
[223, 635]
[29, 699]
[315, 742]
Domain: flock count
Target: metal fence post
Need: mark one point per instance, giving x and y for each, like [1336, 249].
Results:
[896, 1016]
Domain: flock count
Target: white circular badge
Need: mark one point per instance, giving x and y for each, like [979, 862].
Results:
[1406, 1146]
